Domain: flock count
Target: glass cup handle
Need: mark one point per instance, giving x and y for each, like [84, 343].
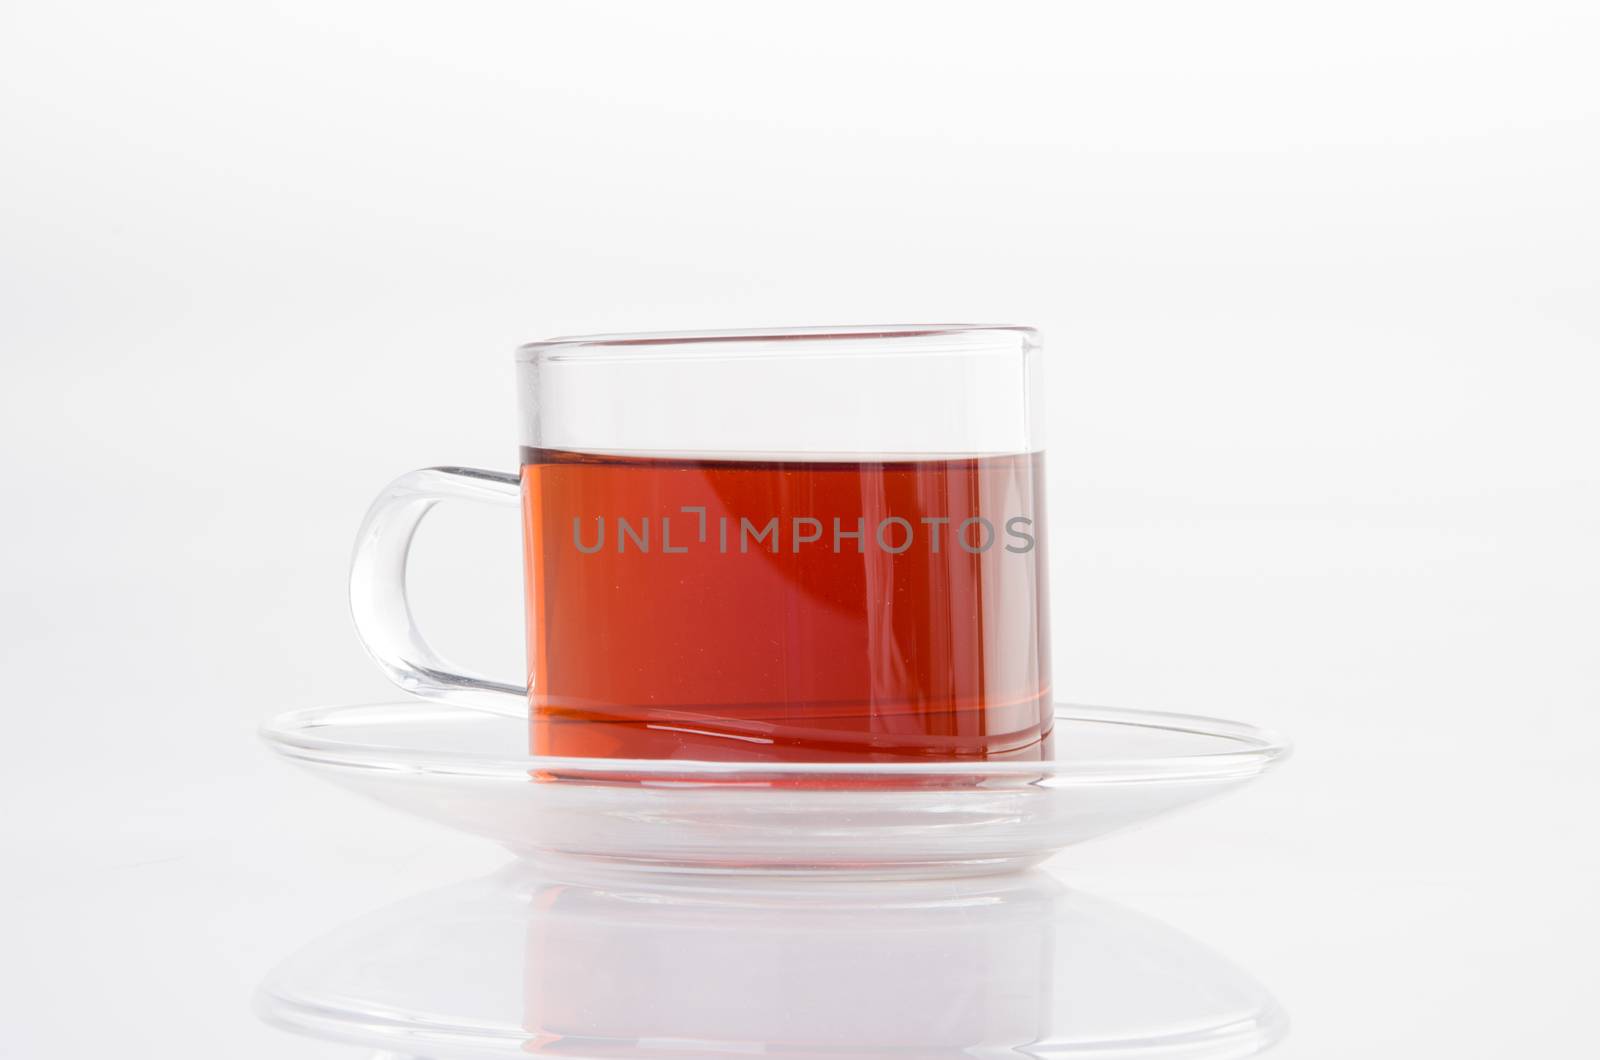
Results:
[378, 600]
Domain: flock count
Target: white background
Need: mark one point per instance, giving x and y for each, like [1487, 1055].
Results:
[1318, 286]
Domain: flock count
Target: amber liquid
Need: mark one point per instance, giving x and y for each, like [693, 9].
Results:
[723, 609]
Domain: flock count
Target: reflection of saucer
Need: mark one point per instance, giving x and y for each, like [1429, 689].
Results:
[517, 964]
[467, 770]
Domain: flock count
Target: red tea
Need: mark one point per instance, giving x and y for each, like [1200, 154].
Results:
[850, 610]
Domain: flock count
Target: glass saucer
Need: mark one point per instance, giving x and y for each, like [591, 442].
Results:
[524, 963]
[468, 770]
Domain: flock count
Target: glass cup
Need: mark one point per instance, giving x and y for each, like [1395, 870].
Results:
[820, 544]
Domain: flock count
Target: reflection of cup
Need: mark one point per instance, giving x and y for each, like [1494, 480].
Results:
[836, 970]
[807, 545]
[517, 964]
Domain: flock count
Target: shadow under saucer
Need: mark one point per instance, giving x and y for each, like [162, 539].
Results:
[563, 960]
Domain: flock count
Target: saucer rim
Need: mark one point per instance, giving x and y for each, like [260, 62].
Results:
[293, 735]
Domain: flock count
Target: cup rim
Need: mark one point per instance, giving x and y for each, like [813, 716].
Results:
[925, 338]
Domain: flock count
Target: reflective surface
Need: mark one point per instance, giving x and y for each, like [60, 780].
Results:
[555, 961]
